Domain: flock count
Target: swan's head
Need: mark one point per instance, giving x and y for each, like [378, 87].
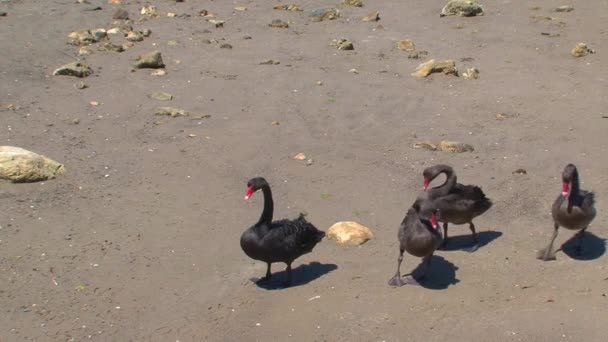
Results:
[431, 172]
[569, 176]
[253, 185]
[427, 212]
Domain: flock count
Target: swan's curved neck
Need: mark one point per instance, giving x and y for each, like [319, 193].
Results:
[266, 217]
[574, 185]
[450, 182]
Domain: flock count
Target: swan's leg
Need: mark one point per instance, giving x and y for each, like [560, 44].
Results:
[288, 283]
[547, 253]
[444, 244]
[396, 280]
[475, 245]
[410, 279]
[579, 244]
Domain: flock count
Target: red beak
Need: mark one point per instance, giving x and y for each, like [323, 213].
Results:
[434, 221]
[565, 188]
[426, 184]
[249, 192]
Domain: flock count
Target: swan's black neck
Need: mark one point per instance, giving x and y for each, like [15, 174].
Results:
[574, 185]
[266, 217]
[450, 182]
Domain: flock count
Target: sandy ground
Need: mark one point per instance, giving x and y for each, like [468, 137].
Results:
[139, 240]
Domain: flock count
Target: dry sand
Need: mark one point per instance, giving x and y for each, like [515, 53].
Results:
[138, 241]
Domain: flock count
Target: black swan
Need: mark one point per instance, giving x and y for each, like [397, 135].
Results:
[278, 241]
[573, 209]
[458, 203]
[419, 236]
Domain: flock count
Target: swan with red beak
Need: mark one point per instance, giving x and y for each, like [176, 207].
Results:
[574, 209]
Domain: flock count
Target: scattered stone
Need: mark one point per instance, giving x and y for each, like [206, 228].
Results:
[240, 8]
[417, 54]
[278, 23]
[171, 15]
[127, 45]
[81, 85]
[353, 71]
[291, 7]
[274, 123]
[206, 14]
[343, 44]
[225, 46]
[354, 3]
[107, 46]
[567, 8]
[270, 62]
[463, 8]
[520, 172]
[349, 233]
[324, 14]
[99, 34]
[448, 67]
[74, 69]
[121, 14]
[3, 14]
[580, 50]
[18, 165]
[445, 146]
[503, 116]
[471, 74]
[76, 121]
[146, 32]
[161, 96]
[406, 45]
[152, 60]
[114, 30]
[300, 156]
[217, 23]
[374, 16]
[133, 36]
[84, 51]
[115, 2]
[82, 37]
[550, 35]
[158, 72]
[149, 11]
[94, 103]
[170, 111]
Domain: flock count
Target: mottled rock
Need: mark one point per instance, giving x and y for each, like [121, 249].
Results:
[354, 3]
[343, 44]
[152, 60]
[471, 74]
[291, 7]
[270, 62]
[76, 69]
[149, 11]
[580, 50]
[417, 54]
[170, 111]
[406, 45]
[161, 96]
[82, 37]
[84, 51]
[217, 23]
[107, 46]
[300, 156]
[349, 233]
[99, 34]
[225, 46]
[448, 67]
[324, 14]
[121, 14]
[134, 36]
[463, 8]
[445, 146]
[374, 16]
[567, 8]
[18, 165]
[278, 23]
